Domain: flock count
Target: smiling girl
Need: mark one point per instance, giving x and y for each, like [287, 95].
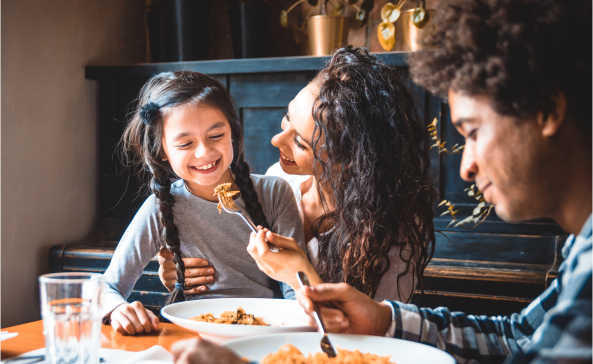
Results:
[186, 133]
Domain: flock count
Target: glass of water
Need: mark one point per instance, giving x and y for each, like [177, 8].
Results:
[71, 311]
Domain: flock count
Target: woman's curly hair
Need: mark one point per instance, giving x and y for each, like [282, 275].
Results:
[368, 149]
[517, 52]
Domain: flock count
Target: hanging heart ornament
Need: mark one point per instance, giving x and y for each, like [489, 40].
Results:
[419, 17]
[386, 35]
[390, 13]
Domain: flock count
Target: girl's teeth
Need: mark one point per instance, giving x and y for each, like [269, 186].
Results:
[208, 166]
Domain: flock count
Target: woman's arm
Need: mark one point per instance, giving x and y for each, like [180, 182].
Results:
[286, 230]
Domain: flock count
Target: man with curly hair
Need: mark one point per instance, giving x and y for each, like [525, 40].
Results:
[517, 74]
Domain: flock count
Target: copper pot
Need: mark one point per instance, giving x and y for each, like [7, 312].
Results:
[326, 33]
[408, 35]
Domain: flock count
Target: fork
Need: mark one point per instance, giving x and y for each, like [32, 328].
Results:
[326, 346]
[231, 208]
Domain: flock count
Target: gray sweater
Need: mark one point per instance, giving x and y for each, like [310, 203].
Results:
[221, 239]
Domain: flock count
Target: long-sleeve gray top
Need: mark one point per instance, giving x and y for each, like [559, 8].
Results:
[221, 239]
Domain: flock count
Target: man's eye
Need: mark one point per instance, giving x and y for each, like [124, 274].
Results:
[217, 136]
[472, 134]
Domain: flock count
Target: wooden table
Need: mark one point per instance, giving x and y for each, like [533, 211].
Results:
[30, 338]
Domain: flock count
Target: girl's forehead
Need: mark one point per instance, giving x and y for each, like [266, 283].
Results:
[192, 117]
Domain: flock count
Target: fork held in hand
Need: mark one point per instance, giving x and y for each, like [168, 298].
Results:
[231, 208]
[326, 346]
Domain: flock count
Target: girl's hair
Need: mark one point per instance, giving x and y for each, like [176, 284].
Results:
[142, 147]
[369, 134]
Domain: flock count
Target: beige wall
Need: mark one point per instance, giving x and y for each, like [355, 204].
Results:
[49, 123]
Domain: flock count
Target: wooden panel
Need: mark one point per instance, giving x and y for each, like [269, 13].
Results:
[228, 66]
[267, 90]
[259, 126]
[493, 247]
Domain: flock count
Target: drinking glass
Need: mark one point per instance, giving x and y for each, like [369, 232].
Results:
[71, 311]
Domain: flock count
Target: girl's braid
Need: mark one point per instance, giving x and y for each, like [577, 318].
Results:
[245, 184]
[160, 184]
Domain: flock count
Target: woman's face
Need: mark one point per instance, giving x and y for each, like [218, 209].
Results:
[294, 143]
[197, 142]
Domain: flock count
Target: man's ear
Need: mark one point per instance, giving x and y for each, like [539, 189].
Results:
[552, 118]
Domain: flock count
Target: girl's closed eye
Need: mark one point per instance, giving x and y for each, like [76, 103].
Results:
[218, 136]
[472, 135]
[185, 145]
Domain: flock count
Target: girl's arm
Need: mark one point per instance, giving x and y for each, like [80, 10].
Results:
[137, 247]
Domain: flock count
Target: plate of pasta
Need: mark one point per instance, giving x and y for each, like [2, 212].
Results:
[220, 319]
[303, 348]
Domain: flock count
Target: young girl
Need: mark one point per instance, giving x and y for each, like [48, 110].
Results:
[186, 133]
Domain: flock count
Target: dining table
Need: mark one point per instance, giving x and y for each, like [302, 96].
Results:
[30, 337]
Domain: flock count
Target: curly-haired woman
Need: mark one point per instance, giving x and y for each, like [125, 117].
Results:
[352, 150]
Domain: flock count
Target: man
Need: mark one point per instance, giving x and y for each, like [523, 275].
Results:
[517, 74]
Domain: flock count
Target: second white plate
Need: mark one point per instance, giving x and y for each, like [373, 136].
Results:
[401, 351]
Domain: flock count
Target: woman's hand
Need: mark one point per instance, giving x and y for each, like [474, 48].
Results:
[284, 265]
[352, 311]
[197, 351]
[197, 272]
[133, 318]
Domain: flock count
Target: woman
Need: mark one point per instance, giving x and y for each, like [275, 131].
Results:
[352, 150]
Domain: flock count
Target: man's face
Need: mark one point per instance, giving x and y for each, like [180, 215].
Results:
[504, 155]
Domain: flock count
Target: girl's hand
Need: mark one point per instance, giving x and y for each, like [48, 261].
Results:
[197, 272]
[133, 318]
[284, 265]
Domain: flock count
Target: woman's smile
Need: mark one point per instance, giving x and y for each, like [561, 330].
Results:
[207, 168]
[286, 160]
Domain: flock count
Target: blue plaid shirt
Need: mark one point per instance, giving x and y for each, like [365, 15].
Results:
[554, 328]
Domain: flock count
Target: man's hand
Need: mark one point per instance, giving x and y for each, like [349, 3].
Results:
[197, 272]
[133, 318]
[197, 351]
[353, 312]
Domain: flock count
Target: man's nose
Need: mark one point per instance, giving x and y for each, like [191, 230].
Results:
[469, 168]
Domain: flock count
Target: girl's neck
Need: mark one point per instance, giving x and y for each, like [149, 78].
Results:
[207, 192]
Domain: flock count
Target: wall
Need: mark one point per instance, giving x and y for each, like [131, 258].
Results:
[49, 124]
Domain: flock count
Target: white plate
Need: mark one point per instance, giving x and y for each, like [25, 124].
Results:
[401, 351]
[283, 315]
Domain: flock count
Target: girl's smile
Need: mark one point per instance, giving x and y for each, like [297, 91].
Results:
[207, 168]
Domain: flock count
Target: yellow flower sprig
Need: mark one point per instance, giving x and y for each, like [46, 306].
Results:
[480, 213]
[432, 129]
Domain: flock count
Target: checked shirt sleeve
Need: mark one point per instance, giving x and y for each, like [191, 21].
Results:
[470, 339]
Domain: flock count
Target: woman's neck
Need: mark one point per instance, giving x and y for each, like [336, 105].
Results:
[206, 192]
[311, 204]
